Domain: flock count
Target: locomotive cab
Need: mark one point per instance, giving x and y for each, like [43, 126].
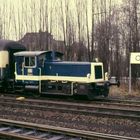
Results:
[28, 66]
[54, 56]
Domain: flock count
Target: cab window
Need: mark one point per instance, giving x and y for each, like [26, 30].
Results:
[58, 56]
[29, 61]
[41, 59]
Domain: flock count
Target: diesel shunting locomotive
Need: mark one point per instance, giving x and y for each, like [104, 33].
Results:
[46, 72]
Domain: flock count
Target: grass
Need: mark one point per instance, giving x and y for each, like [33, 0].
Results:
[122, 92]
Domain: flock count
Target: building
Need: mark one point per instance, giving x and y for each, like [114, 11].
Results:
[41, 41]
[44, 41]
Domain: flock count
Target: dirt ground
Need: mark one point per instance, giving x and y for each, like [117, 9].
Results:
[122, 92]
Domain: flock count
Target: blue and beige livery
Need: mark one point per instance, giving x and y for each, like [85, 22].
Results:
[46, 72]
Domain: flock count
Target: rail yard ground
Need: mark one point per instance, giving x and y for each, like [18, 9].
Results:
[122, 93]
[43, 112]
[48, 114]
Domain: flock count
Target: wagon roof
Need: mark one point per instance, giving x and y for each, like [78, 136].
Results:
[9, 44]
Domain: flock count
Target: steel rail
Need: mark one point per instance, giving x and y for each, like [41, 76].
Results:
[109, 99]
[91, 104]
[77, 108]
[81, 134]
[121, 101]
[97, 101]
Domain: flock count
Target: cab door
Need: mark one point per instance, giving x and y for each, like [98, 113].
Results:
[19, 61]
[30, 65]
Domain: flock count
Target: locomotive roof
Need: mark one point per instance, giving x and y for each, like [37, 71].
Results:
[9, 44]
[29, 53]
[35, 53]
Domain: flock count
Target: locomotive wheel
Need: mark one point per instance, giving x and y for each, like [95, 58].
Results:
[92, 92]
[106, 92]
[90, 96]
[36, 94]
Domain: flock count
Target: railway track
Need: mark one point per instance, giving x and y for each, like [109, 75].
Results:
[128, 111]
[120, 101]
[78, 99]
[30, 131]
[73, 115]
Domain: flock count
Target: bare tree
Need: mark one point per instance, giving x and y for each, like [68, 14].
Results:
[131, 25]
[1, 23]
[50, 22]
[88, 33]
[68, 28]
[92, 33]
[64, 21]
[46, 23]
